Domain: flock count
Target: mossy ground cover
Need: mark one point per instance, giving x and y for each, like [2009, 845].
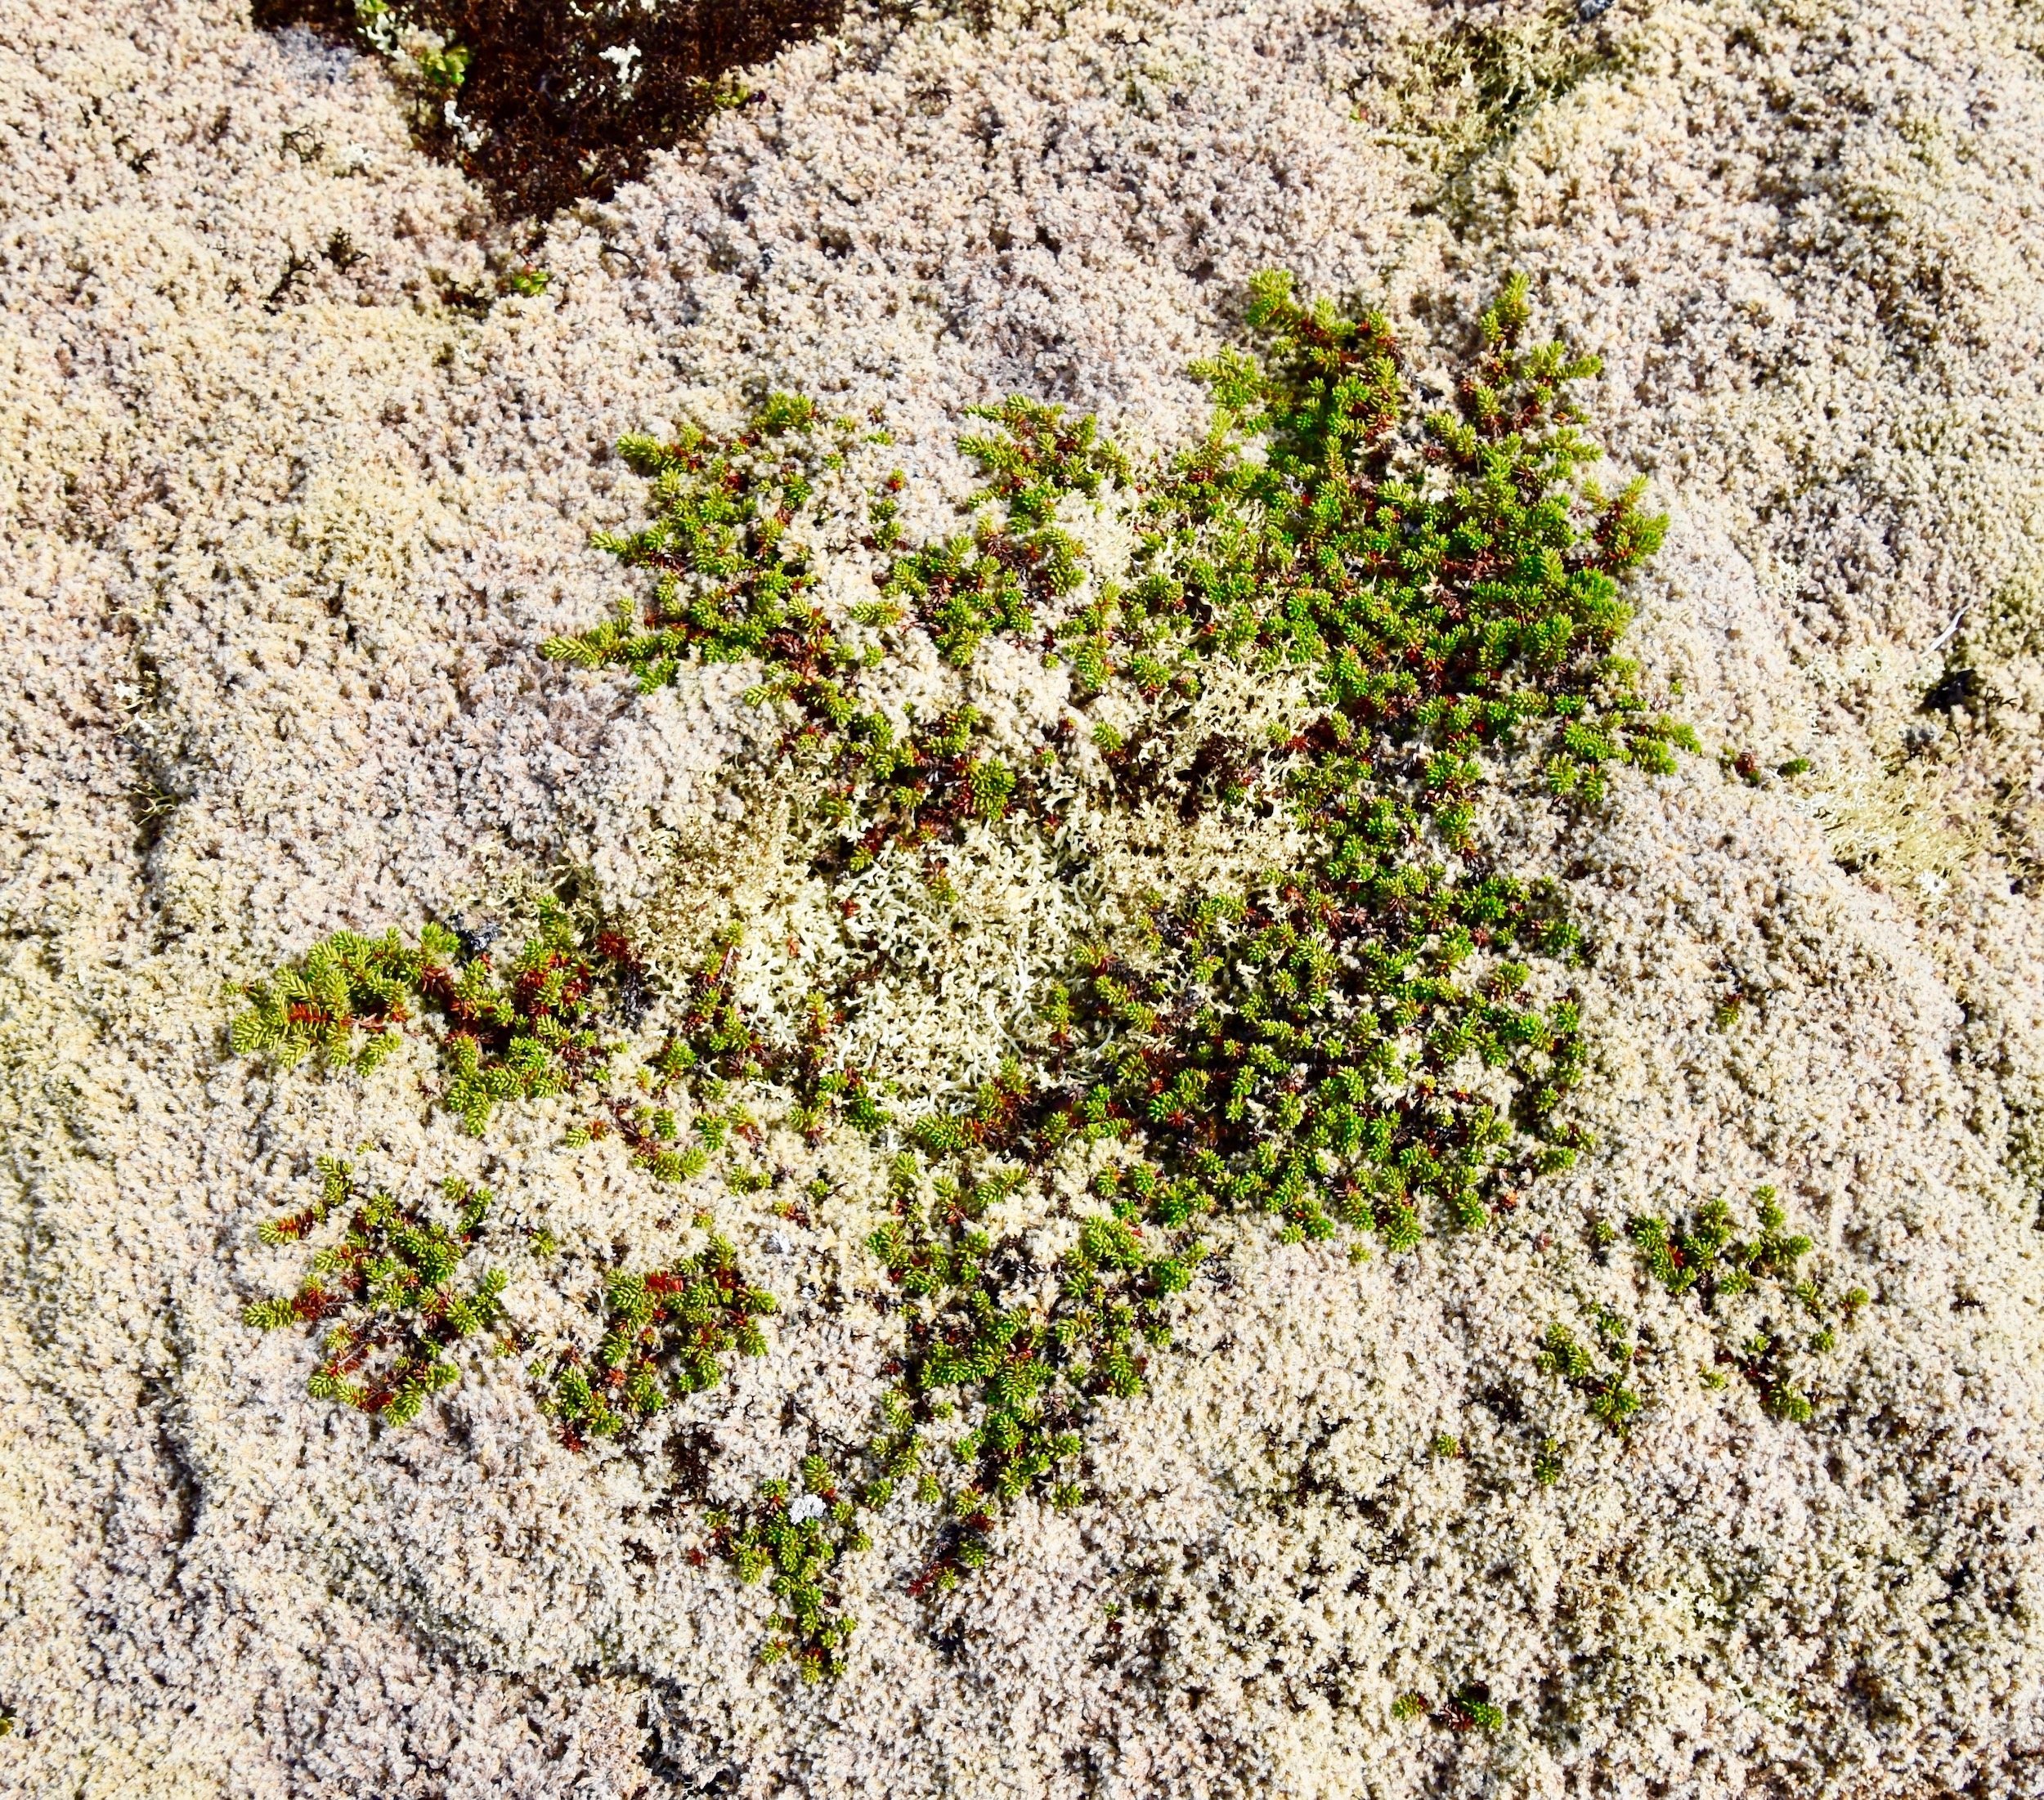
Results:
[1369, 1043]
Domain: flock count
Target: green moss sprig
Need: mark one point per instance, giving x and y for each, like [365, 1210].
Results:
[735, 581]
[1711, 1259]
[528, 1033]
[1611, 1402]
[1018, 560]
[1708, 1257]
[1453, 574]
[343, 1004]
[796, 1538]
[1468, 1708]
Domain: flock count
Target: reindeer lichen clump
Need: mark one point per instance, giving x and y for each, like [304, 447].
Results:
[1373, 1037]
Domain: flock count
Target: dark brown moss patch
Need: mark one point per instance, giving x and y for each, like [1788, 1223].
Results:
[549, 101]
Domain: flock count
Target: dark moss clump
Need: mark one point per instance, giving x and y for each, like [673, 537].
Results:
[549, 101]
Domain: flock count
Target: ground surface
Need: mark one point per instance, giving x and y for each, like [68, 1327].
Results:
[286, 519]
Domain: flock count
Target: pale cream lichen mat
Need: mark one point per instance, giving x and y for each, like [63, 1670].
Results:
[1233, 1077]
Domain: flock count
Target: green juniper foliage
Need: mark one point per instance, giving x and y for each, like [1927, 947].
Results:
[337, 1187]
[731, 583]
[1307, 1046]
[389, 1289]
[1470, 1707]
[524, 1035]
[1017, 560]
[1610, 1400]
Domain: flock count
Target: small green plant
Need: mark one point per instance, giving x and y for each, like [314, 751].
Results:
[443, 69]
[528, 281]
[737, 581]
[1470, 1709]
[665, 1334]
[1018, 560]
[337, 1189]
[343, 1004]
[386, 1295]
[521, 1037]
[798, 1540]
[1709, 1256]
[525, 1035]
[1610, 1401]
[1728, 1270]
[1784, 1400]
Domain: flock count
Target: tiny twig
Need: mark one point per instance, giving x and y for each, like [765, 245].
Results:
[1951, 625]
